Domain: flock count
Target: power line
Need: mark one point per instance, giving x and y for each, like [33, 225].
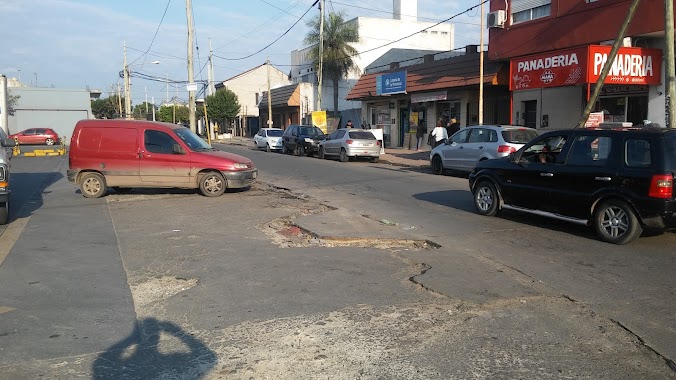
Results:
[153, 40]
[271, 43]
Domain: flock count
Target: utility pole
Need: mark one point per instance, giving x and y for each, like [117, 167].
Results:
[481, 67]
[212, 85]
[153, 98]
[609, 63]
[321, 54]
[4, 114]
[669, 70]
[269, 96]
[127, 90]
[191, 74]
[167, 100]
[146, 88]
[119, 100]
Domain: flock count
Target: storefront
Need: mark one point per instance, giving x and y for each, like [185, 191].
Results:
[550, 90]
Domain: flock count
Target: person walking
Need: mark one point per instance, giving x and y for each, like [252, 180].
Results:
[452, 127]
[439, 133]
[420, 135]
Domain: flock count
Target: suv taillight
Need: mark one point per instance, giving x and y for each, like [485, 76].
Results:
[506, 149]
[661, 186]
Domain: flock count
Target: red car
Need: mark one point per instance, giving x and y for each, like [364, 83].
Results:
[36, 136]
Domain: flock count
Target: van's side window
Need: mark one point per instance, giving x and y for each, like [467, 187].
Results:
[159, 142]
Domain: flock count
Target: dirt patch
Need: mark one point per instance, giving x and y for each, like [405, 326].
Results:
[160, 288]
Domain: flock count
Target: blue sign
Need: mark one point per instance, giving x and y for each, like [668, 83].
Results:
[392, 83]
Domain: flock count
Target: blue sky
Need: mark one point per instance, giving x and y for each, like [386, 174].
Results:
[79, 43]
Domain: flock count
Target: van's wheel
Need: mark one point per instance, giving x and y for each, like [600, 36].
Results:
[49, 141]
[4, 213]
[486, 198]
[267, 148]
[212, 184]
[121, 190]
[321, 153]
[93, 185]
[437, 165]
[616, 223]
[343, 155]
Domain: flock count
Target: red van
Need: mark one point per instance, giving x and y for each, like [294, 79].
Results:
[122, 154]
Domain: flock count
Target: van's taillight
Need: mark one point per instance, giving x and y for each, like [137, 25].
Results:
[661, 186]
[506, 149]
[349, 142]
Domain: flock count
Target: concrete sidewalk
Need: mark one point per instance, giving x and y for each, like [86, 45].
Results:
[392, 156]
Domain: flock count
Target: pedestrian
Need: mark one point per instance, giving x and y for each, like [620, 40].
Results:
[349, 124]
[420, 134]
[452, 126]
[439, 132]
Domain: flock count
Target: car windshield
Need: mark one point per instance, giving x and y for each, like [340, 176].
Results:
[362, 135]
[275, 132]
[192, 140]
[518, 136]
[670, 152]
[311, 131]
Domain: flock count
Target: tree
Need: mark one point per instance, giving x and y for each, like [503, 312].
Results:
[139, 110]
[12, 101]
[338, 52]
[222, 106]
[105, 108]
[166, 114]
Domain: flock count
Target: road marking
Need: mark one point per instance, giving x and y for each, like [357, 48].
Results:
[6, 309]
[10, 235]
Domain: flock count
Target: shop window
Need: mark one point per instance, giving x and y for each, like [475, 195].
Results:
[526, 10]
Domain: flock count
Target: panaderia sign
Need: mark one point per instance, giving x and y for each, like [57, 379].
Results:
[632, 66]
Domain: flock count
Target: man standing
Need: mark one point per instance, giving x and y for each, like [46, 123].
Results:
[452, 126]
[349, 124]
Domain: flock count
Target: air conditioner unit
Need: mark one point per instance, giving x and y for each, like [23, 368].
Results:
[496, 19]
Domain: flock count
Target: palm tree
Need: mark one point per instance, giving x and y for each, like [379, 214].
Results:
[338, 52]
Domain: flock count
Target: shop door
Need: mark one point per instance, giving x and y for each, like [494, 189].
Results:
[403, 125]
[530, 113]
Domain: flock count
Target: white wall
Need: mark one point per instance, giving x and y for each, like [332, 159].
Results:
[564, 105]
[246, 86]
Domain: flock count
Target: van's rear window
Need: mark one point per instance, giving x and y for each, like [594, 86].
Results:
[518, 136]
[670, 152]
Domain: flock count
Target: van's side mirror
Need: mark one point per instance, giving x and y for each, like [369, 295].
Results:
[178, 149]
[8, 142]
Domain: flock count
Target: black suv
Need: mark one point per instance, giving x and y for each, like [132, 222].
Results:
[617, 180]
[301, 139]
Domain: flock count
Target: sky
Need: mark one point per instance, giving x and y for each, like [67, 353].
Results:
[80, 43]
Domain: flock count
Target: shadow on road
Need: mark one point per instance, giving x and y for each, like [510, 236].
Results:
[155, 350]
[27, 190]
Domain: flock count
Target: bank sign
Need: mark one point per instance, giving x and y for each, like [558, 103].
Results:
[392, 83]
[639, 66]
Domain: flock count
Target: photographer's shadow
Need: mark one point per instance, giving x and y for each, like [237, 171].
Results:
[142, 355]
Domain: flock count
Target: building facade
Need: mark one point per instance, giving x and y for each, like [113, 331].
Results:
[556, 50]
[290, 104]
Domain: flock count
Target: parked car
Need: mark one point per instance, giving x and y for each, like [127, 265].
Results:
[468, 146]
[123, 154]
[36, 136]
[619, 181]
[348, 143]
[5, 193]
[269, 138]
[301, 139]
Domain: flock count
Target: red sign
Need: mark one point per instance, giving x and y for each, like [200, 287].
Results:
[631, 65]
[553, 69]
[570, 67]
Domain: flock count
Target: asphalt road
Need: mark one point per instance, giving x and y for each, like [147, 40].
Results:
[170, 284]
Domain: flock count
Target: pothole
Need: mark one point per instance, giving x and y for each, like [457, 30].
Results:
[157, 289]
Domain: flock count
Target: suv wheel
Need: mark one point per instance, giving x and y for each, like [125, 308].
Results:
[284, 150]
[437, 166]
[299, 151]
[321, 152]
[486, 198]
[616, 223]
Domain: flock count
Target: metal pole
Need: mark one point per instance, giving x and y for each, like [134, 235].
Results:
[321, 55]
[119, 100]
[481, 67]
[669, 70]
[206, 121]
[608, 64]
[167, 100]
[153, 99]
[191, 74]
[127, 90]
[4, 115]
[269, 97]
[146, 88]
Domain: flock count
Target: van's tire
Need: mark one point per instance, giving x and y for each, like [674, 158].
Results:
[121, 190]
[49, 141]
[343, 155]
[4, 213]
[615, 222]
[212, 184]
[437, 165]
[93, 185]
[321, 153]
[486, 198]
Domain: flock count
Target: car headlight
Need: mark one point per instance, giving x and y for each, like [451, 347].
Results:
[240, 166]
[308, 140]
[3, 172]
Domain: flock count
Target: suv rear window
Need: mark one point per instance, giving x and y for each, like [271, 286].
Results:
[670, 152]
[518, 136]
[637, 153]
[359, 135]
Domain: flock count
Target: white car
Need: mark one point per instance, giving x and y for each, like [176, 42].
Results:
[468, 146]
[269, 139]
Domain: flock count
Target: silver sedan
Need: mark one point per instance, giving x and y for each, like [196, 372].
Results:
[349, 143]
[269, 139]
